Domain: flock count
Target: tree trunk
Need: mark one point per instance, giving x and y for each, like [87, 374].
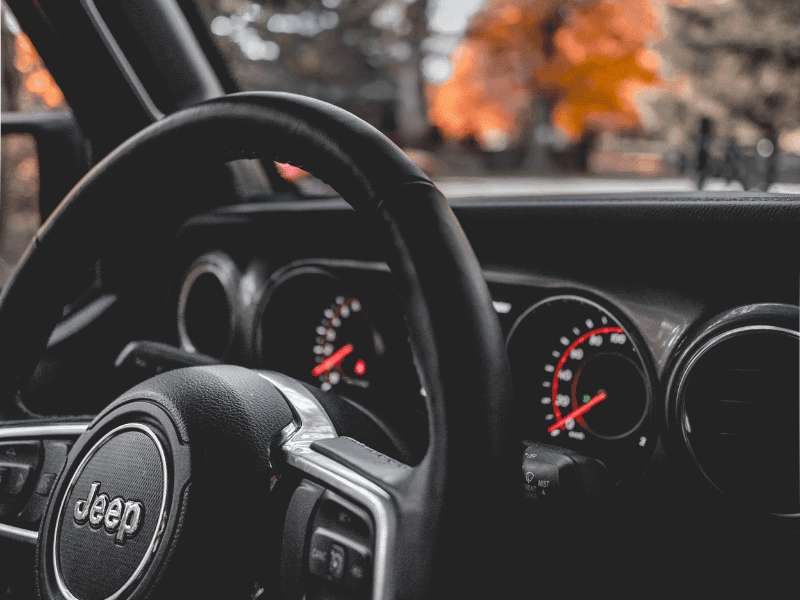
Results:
[412, 109]
[537, 159]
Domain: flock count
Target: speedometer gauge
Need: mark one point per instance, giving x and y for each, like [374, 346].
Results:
[582, 382]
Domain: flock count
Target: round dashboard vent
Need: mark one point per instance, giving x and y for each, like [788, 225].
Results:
[207, 305]
[738, 408]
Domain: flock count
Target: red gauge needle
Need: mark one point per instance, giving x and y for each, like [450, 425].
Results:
[333, 360]
[577, 412]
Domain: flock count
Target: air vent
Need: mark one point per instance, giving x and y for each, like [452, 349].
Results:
[207, 305]
[739, 408]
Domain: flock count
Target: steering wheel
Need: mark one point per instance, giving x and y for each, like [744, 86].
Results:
[207, 480]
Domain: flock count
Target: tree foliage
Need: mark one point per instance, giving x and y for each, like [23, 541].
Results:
[585, 59]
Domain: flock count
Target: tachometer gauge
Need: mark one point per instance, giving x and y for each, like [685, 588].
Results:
[346, 346]
[314, 328]
[582, 382]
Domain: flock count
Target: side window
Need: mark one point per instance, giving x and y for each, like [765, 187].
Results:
[27, 88]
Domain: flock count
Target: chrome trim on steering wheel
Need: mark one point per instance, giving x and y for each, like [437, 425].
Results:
[18, 534]
[311, 421]
[38, 431]
[312, 424]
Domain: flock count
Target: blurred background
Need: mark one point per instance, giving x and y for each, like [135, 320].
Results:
[707, 90]
[27, 87]
[518, 96]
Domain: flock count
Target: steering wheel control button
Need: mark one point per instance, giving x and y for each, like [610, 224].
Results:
[336, 561]
[340, 547]
[114, 508]
[319, 554]
[45, 484]
[55, 454]
[16, 479]
[16, 452]
[17, 461]
[358, 567]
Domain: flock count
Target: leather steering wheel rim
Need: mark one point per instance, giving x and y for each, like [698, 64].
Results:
[460, 501]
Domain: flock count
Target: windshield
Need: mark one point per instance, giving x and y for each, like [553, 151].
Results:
[544, 95]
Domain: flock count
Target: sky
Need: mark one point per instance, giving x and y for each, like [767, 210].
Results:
[451, 17]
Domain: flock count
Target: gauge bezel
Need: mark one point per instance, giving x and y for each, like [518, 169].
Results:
[279, 278]
[223, 268]
[743, 320]
[650, 429]
[334, 275]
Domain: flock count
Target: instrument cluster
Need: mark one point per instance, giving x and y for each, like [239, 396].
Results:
[613, 380]
[336, 325]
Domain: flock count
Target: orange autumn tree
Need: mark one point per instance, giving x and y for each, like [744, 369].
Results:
[489, 89]
[584, 60]
[603, 60]
[37, 80]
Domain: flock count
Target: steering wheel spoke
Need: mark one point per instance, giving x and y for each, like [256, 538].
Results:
[346, 520]
[32, 455]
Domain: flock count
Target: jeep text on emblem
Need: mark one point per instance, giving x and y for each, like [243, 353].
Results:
[118, 515]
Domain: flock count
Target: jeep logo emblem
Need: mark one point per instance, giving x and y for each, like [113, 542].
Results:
[118, 515]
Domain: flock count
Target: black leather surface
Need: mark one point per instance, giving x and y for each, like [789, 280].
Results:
[234, 413]
[461, 354]
[453, 327]
[364, 460]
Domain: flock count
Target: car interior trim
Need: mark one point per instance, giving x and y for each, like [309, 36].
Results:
[37, 431]
[221, 267]
[18, 534]
[76, 322]
[122, 62]
[314, 425]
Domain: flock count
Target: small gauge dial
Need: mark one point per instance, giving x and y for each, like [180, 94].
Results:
[345, 345]
[581, 381]
[314, 328]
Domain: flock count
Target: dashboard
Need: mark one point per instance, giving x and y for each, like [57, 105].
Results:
[657, 336]
[653, 342]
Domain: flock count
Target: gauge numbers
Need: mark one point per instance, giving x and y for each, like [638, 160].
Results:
[316, 329]
[344, 345]
[581, 381]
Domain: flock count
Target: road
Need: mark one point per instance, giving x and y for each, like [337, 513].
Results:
[464, 187]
